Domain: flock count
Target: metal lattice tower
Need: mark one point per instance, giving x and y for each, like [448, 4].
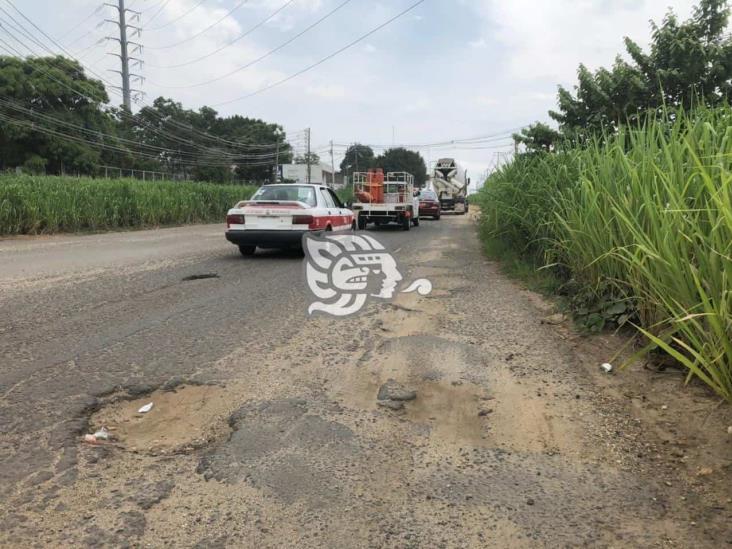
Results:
[126, 47]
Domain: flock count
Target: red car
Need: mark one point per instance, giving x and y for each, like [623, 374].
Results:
[429, 204]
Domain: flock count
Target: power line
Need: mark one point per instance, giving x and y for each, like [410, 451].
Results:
[231, 42]
[218, 140]
[45, 117]
[160, 9]
[177, 18]
[264, 56]
[165, 134]
[105, 146]
[80, 23]
[324, 59]
[199, 33]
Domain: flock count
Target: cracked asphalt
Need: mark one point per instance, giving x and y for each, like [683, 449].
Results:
[266, 430]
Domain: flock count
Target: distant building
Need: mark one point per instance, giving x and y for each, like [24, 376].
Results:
[320, 174]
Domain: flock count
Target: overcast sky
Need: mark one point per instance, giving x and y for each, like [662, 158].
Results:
[449, 69]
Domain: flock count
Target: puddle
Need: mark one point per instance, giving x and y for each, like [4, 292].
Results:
[190, 417]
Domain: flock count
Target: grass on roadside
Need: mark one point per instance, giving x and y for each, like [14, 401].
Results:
[522, 267]
[639, 225]
[43, 205]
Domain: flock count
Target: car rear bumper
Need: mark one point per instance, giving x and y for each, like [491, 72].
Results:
[429, 210]
[267, 239]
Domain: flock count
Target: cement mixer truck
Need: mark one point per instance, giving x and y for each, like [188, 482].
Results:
[450, 182]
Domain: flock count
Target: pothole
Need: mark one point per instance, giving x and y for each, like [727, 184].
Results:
[184, 419]
[203, 276]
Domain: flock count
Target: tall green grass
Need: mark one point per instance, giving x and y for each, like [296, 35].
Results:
[639, 223]
[40, 204]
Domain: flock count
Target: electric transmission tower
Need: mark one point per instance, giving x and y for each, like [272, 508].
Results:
[126, 48]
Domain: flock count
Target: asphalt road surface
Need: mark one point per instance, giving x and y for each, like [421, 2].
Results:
[266, 430]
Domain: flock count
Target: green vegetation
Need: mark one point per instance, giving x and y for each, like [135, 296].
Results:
[629, 204]
[398, 159]
[638, 225]
[345, 194]
[39, 204]
[688, 62]
[54, 119]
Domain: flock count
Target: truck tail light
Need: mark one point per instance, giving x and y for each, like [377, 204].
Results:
[302, 219]
[234, 219]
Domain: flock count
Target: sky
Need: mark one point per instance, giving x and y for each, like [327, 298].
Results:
[446, 70]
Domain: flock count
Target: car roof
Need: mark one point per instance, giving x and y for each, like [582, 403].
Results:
[313, 185]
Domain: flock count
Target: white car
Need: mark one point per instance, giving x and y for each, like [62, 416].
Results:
[277, 216]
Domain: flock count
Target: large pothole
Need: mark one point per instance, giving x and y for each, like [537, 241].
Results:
[181, 419]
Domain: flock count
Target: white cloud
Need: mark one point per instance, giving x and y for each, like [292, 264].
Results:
[550, 39]
[475, 67]
[327, 91]
[486, 101]
[480, 43]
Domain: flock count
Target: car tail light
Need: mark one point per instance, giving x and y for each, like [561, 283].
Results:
[302, 219]
[234, 219]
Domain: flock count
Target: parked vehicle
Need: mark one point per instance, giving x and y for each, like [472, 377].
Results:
[450, 182]
[277, 216]
[429, 204]
[383, 199]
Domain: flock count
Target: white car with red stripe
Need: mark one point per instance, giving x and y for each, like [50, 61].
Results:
[277, 216]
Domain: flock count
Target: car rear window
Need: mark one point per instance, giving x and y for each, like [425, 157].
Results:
[428, 195]
[296, 193]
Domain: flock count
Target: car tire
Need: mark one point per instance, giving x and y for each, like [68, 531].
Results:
[361, 223]
[436, 217]
[247, 250]
[406, 223]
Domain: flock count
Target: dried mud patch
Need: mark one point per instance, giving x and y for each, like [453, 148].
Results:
[182, 419]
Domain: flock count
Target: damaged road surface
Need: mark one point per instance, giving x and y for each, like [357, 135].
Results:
[459, 419]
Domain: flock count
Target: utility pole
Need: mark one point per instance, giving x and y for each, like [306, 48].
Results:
[332, 166]
[277, 162]
[277, 157]
[124, 46]
[307, 159]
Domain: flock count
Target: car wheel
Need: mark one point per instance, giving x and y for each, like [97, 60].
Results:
[406, 223]
[247, 250]
[437, 217]
[361, 223]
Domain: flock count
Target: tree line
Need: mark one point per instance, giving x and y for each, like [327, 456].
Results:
[360, 158]
[688, 63]
[55, 119]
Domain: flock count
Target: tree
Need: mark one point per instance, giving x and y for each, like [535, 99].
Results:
[39, 107]
[358, 158]
[56, 119]
[400, 159]
[303, 158]
[688, 62]
[538, 138]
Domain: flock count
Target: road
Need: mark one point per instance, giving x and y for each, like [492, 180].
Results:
[266, 431]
